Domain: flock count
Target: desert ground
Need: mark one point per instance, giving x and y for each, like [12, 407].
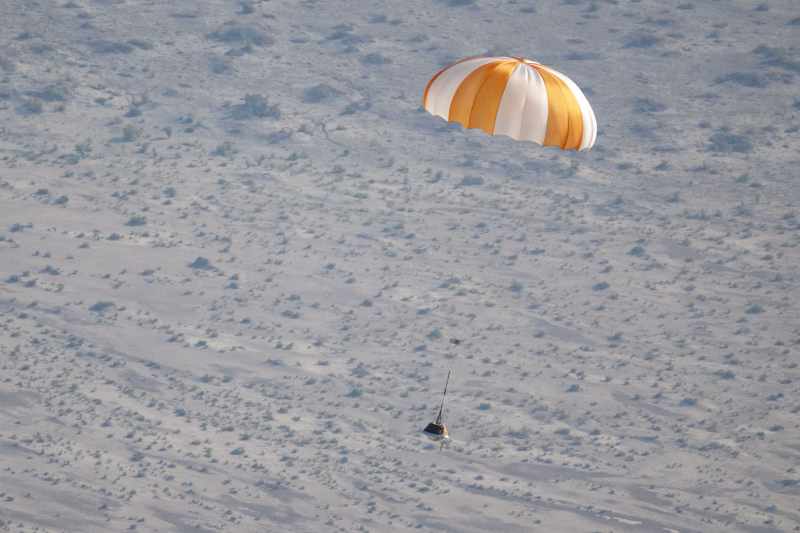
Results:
[238, 259]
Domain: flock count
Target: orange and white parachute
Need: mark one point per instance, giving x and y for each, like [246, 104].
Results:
[516, 97]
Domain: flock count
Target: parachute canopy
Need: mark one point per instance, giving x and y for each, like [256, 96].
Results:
[513, 96]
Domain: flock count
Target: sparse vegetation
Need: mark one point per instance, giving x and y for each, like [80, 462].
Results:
[136, 220]
[30, 106]
[244, 35]
[103, 46]
[726, 142]
[254, 106]
[238, 260]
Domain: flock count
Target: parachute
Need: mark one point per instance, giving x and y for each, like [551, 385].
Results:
[513, 96]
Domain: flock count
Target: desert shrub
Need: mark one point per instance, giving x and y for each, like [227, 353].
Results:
[647, 105]
[254, 106]
[471, 181]
[754, 309]
[50, 93]
[745, 79]
[6, 65]
[41, 48]
[136, 220]
[375, 58]
[30, 106]
[141, 44]
[726, 142]
[201, 263]
[103, 46]
[354, 107]
[583, 56]
[129, 134]
[219, 65]
[778, 57]
[642, 40]
[280, 136]
[343, 33]
[101, 307]
[637, 251]
[319, 93]
[223, 150]
[233, 33]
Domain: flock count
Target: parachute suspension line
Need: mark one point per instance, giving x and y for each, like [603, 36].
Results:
[441, 407]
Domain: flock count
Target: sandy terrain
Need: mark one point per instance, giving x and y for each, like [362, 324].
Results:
[235, 255]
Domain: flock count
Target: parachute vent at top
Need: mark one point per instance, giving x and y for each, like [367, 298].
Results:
[513, 96]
